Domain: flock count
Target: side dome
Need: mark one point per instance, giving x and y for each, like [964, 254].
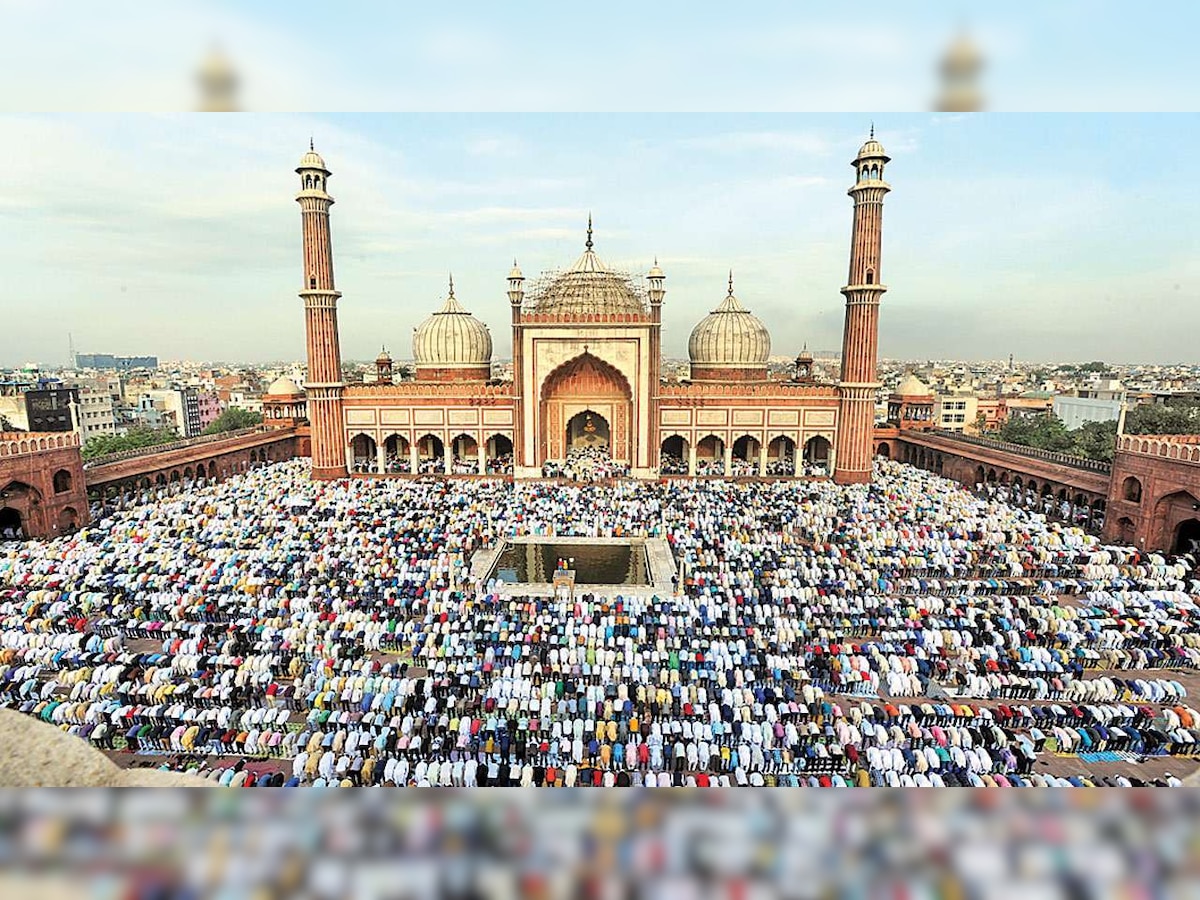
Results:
[588, 288]
[729, 343]
[284, 387]
[452, 345]
[912, 386]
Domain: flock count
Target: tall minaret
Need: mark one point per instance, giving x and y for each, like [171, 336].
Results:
[324, 385]
[860, 340]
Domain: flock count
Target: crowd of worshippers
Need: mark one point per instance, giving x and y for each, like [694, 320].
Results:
[905, 632]
[589, 463]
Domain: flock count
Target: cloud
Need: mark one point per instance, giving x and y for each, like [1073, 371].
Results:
[759, 141]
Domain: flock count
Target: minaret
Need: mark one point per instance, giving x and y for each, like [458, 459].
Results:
[860, 340]
[656, 294]
[516, 296]
[324, 385]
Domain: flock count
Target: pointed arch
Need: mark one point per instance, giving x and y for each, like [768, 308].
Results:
[585, 382]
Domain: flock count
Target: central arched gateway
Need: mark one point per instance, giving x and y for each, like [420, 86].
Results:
[582, 387]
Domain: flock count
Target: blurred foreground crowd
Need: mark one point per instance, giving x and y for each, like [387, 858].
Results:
[488, 844]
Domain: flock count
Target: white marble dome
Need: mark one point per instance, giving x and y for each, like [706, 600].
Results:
[284, 387]
[730, 337]
[452, 338]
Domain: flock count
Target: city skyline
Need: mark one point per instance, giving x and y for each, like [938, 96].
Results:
[175, 235]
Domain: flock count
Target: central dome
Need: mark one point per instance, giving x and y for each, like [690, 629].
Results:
[587, 288]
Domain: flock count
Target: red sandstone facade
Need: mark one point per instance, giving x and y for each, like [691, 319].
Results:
[42, 492]
[1154, 498]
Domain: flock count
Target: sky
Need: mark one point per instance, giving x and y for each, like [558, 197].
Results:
[1053, 237]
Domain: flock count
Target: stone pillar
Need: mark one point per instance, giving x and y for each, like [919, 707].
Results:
[380, 458]
[691, 460]
[482, 445]
[447, 457]
[762, 459]
[414, 458]
[728, 459]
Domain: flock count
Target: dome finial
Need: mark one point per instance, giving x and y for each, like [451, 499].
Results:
[310, 144]
[730, 283]
[872, 129]
[451, 284]
[589, 236]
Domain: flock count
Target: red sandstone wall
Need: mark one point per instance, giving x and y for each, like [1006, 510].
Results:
[1151, 521]
[45, 513]
[719, 373]
[457, 373]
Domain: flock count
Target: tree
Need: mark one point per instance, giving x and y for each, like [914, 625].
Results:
[1045, 432]
[233, 419]
[134, 439]
[1095, 440]
[1154, 418]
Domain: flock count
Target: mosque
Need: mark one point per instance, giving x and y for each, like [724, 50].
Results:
[586, 373]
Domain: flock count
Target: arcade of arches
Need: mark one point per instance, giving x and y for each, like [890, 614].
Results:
[744, 456]
[1054, 498]
[174, 470]
[463, 454]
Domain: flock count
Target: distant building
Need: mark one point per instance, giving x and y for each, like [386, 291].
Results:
[243, 399]
[994, 411]
[1074, 411]
[44, 408]
[97, 414]
[1099, 400]
[119, 363]
[954, 412]
[152, 412]
[1031, 403]
[209, 405]
[183, 404]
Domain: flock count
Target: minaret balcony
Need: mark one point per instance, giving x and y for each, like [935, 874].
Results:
[862, 288]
